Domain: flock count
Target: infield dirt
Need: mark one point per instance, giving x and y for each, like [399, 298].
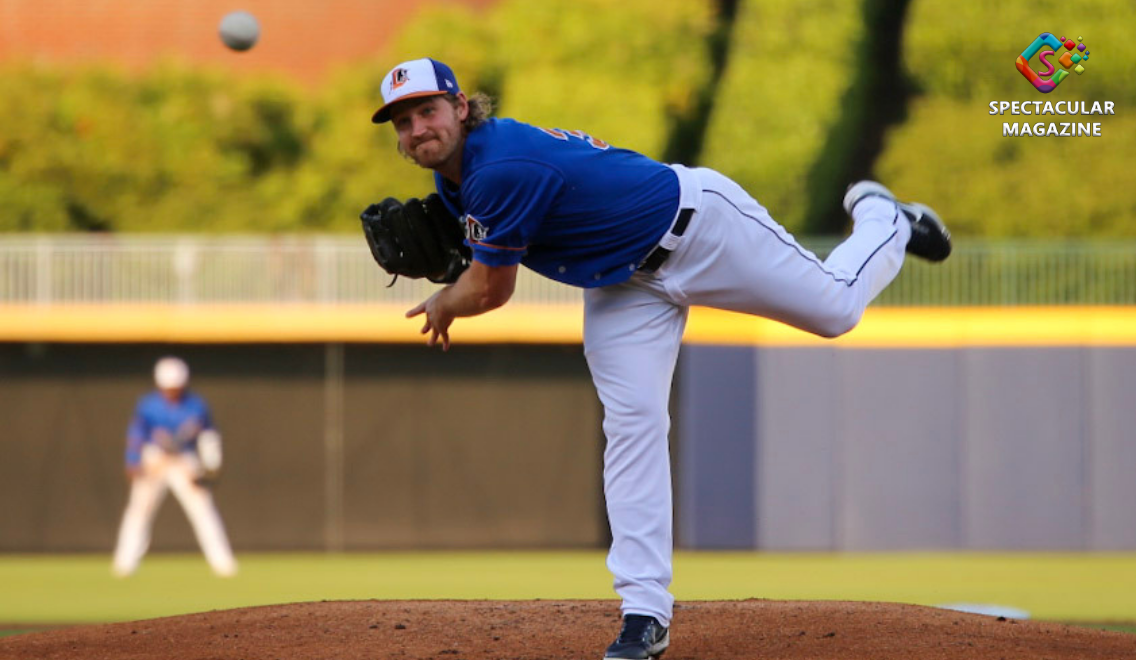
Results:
[532, 630]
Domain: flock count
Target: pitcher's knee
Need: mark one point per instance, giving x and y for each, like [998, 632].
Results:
[838, 324]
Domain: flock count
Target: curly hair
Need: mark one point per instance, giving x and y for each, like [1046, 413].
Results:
[480, 109]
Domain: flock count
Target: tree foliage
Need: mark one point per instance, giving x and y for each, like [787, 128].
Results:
[176, 149]
[787, 71]
[951, 151]
[186, 149]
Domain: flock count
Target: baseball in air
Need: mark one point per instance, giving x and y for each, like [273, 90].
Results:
[239, 30]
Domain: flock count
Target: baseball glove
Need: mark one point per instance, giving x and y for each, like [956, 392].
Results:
[416, 238]
[209, 456]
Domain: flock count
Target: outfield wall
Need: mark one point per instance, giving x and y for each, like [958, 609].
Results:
[972, 429]
[937, 448]
[964, 428]
[327, 446]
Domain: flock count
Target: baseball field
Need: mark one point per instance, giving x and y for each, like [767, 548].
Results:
[54, 602]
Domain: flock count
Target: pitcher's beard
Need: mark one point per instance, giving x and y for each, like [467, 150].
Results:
[427, 162]
[432, 157]
[428, 157]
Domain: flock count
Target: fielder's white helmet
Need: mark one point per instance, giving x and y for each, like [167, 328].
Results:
[171, 373]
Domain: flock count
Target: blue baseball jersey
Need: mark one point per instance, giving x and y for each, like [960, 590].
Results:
[182, 420]
[562, 203]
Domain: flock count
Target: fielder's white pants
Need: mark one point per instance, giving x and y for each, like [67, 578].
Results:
[161, 472]
[733, 256]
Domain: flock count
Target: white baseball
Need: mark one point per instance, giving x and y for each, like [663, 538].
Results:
[239, 30]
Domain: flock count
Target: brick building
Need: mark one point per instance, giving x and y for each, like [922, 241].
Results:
[304, 39]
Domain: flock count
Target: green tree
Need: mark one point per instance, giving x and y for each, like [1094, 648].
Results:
[779, 98]
[951, 151]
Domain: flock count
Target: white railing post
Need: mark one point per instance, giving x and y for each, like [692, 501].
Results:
[185, 270]
[43, 271]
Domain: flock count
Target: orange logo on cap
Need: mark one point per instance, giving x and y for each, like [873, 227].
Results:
[399, 78]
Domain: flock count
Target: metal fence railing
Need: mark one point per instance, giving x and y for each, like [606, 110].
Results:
[213, 269]
[993, 273]
[60, 269]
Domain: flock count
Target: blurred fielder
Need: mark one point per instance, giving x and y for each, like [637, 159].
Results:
[645, 241]
[171, 445]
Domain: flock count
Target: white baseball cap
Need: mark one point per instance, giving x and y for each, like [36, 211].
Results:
[415, 79]
[171, 373]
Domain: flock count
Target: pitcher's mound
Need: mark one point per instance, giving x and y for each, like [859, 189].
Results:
[555, 630]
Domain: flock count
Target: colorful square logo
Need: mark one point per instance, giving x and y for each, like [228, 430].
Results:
[1045, 46]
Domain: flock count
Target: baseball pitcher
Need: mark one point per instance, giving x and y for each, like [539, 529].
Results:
[645, 241]
[171, 444]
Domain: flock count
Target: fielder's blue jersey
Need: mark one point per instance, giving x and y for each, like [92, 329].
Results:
[182, 420]
[562, 203]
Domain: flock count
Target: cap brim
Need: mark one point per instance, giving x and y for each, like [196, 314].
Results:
[383, 114]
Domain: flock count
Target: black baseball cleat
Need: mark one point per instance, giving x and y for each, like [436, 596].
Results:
[642, 638]
[929, 236]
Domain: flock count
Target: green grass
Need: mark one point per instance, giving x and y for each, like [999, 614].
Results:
[1114, 627]
[72, 589]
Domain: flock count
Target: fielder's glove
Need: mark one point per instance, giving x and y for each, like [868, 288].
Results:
[209, 456]
[418, 238]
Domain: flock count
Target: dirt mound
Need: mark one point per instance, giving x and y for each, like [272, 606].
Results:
[532, 630]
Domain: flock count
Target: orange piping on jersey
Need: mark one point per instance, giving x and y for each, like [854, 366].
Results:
[499, 247]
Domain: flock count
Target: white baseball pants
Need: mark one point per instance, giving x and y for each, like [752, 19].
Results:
[160, 473]
[733, 256]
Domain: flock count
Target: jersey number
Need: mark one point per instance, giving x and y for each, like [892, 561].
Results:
[561, 134]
